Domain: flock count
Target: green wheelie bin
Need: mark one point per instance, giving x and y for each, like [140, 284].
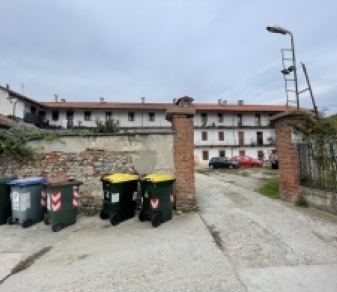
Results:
[157, 198]
[61, 199]
[26, 201]
[120, 192]
[5, 199]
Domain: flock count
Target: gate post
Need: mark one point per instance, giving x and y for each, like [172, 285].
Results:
[181, 118]
[287, 154]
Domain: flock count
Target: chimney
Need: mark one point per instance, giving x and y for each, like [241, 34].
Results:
[63, 100]
[8, 87]
[56, 98]
[240, 102]
[174, 100]
[219, 101]
[143, 99]
[101, 99]
[224, 102]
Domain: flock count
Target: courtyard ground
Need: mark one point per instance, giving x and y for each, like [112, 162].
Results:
[239, 240]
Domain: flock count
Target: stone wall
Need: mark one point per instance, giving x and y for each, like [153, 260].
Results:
[88, 158]
[320, 199]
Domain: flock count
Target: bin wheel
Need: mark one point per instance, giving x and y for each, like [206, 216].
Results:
[57, 227]
[141, 217]
[157, 219]
[115, 219]
[46, 221]
[10, 220]
[103, 215]
[27, 223]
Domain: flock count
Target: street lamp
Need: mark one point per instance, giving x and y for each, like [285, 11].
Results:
[277, 29]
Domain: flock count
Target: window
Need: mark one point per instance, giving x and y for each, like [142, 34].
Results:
[205, 155]
[131, 117]
[222, 153]
[33, 109]
[42, 114]
[220, 118]
[70, 115]
[241, 138]
[55, 115]
[221, 136]
[259, 138]
[108, 116]
[151, 117]
[203, 118]
[242, 153]
[239, 116]
[204, 136]
[257, 120]
[87, 116]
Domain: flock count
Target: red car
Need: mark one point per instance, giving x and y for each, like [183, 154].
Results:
[246, 161]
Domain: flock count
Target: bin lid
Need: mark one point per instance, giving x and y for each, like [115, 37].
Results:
[28, 181]
[159, 177]
[120, 177]
[6, 179]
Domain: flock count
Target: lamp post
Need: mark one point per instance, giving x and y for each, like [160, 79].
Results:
[280, 30]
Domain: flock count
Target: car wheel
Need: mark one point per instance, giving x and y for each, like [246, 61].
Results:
[231, 166]
[254, 165]
[211, 166]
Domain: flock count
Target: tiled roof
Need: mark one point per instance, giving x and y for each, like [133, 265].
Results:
[243, 108]
[6, 122]
[152, 106]
[164, 106]
[5, 119]
[21, 96]
[108, 105]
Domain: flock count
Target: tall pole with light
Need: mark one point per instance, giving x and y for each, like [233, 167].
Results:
[280, 30]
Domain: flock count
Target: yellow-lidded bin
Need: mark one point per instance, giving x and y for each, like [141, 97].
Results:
[119, 195]
[157, 198]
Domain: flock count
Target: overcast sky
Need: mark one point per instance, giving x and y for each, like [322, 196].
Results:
[164, 49]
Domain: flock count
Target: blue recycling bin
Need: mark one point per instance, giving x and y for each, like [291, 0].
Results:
[27, 205]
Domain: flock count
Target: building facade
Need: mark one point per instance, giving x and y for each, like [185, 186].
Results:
[220, 129]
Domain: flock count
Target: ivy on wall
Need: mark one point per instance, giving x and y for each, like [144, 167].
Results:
[13, 142]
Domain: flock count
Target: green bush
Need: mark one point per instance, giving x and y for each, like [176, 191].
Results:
[302, 202]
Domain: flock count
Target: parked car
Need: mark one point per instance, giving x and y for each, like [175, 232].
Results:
[222, 162]
[247, 161]
[273, 159]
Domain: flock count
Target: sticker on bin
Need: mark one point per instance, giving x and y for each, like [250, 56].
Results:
[114, 197]
[56, 201]
[76, 196]
[48, 202]
[172, 198]
[24, 201]
[106, 195]
[16, 201]
[154, 203]
[43, 198]
[134, 196]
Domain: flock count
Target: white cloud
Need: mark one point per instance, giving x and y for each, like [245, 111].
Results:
[123, 50]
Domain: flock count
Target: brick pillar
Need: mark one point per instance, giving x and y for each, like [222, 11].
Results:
[287, 154]
[183, 152]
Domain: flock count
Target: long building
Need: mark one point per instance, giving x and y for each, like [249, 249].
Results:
[220, 129]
